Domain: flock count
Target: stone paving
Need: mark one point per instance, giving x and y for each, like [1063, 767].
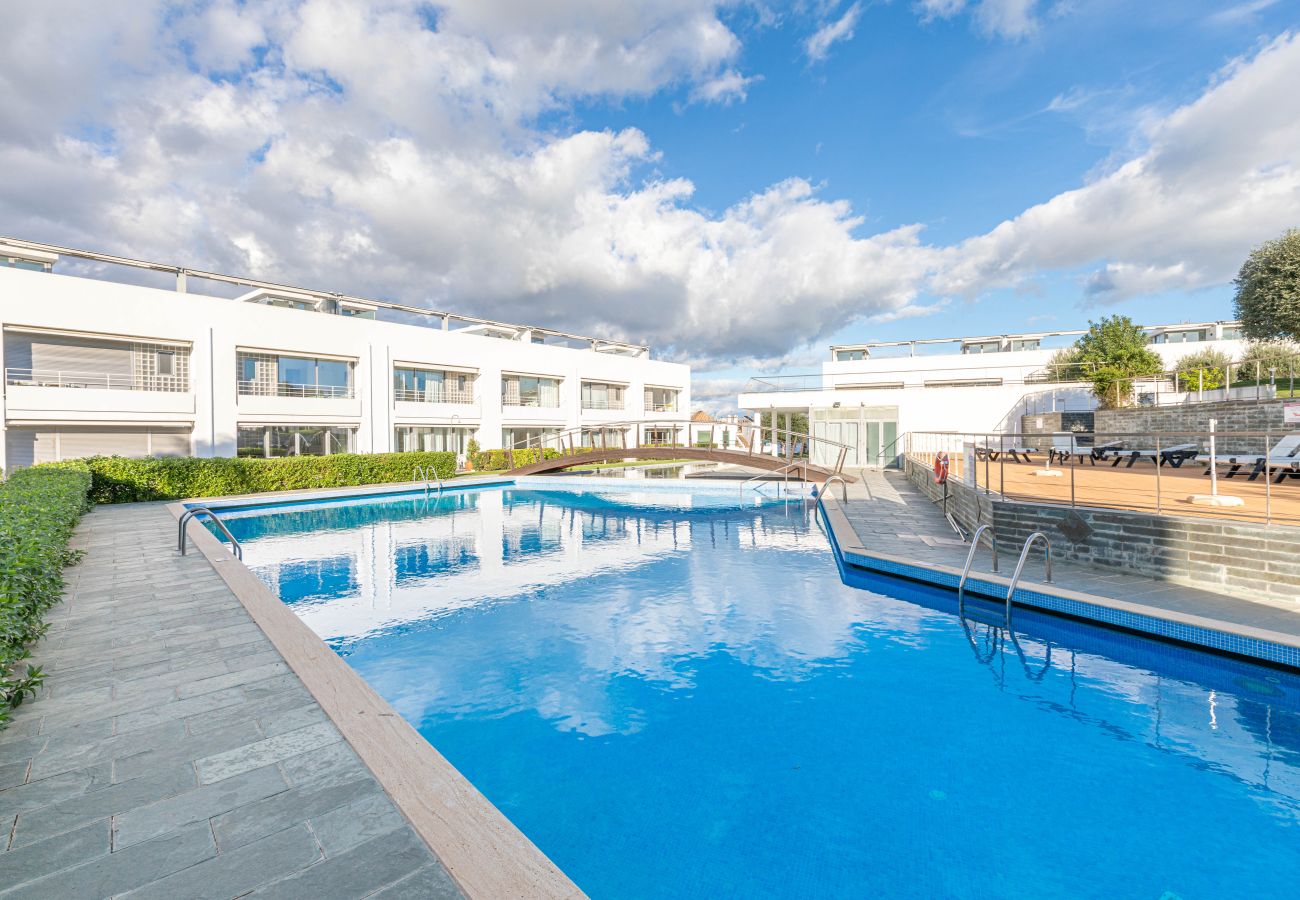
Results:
[173, 754]
[892, 517]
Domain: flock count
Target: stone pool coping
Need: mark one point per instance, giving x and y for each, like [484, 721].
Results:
[486, 854]
[1238, 638]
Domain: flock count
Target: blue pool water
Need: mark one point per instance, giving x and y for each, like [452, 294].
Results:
[678, 696]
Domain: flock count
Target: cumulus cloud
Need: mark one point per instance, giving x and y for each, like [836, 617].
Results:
[394, 149]
[818, 45]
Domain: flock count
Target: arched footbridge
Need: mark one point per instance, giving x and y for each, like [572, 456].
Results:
[792, 454]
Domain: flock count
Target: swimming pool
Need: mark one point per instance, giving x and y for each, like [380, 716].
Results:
[674, 694]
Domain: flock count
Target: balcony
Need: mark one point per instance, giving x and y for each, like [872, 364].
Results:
[285, 389]
[434, 395]
[47, 394]
[603, 404]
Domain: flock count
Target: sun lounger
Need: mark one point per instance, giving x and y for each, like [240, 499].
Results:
[1175, 455]
[1066, 446]
[1014, 452]
[1283, 459]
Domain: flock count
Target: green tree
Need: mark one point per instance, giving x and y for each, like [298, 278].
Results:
[1064, 365]
[1203, 370]
[1268, 290]
[1113, 353]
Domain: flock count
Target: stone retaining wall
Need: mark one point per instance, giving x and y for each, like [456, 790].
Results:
[1243, 559]
[1235, 415]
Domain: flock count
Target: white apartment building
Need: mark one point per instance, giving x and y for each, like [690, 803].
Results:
[867, 395]
[104, 367]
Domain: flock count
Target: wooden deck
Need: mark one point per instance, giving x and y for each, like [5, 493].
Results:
[1140, 488]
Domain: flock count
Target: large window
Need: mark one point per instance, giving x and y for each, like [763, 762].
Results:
[603, 438]
[265, 374]
[411, 385]
[661, 399]
[272, 441]
[431, 438]
[850, 355]
[599, 395]
[521, 438]
[528, 390]
[1190, 336]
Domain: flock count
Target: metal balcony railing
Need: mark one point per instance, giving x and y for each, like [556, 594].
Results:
[602, 404]
[284, 389]
[95, 380]
[433, 395]
[533, 402]
[662, 407]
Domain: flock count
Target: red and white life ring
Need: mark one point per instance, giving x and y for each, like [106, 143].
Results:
[941, 468]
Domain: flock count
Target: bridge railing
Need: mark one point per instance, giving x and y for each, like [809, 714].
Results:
[780, 443]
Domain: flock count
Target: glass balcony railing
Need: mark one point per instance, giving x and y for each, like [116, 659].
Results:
[95, 380]
[433, 395]
[285, 389]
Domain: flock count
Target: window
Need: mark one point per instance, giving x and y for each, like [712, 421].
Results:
[658, 437]
[412, 385]
[1190, 336]
[166, 362]
[661, 399]
[850, 355]
[13, 262]
[982, 347]
[272, 441]
[266, 374]
[1026, 344]
[430, 439]
[1231, 333]
[965, 382]
[521, 438]
[598, 395]
[528, 390]
[601, 438]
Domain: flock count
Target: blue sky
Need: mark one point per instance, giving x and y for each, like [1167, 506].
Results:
[738, 183]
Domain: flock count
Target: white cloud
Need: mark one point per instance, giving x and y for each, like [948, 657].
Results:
[819, 44]
[1002, 18]
[361, 149]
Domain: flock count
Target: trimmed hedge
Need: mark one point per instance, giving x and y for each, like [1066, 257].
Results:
[492, 460]
[39, 507]
[121, 480]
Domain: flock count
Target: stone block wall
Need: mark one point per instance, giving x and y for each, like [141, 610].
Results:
[1234, 415]
[1243, 559]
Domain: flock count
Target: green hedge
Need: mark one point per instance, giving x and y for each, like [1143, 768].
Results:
[121, 480]
[493, 460]
[39, 507]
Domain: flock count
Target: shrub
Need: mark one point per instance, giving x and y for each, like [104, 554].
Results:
[1260, 356]
[1064, 365]
[1114, 352]
[1205, 369]
[39, 507]
[117, 479]
[495, 460]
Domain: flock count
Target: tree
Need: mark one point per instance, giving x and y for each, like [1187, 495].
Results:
[1268, 290]
[1203, 370]
[1113, 353]
[1064, 365]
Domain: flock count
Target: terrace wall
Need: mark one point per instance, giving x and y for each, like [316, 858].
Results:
[1243, 559]
[1232, 415]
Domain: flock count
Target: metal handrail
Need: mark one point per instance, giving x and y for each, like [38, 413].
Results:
[421, 473]
[784, 471]
[970, 559]
[1020, 566]
[195, 511]
[844, 485]
[58, 378]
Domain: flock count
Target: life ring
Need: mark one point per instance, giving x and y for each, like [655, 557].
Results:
[941, 468]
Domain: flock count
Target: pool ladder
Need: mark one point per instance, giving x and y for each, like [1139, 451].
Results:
[784, 472]
[195, 511]
[1015, 577]
[422, 473]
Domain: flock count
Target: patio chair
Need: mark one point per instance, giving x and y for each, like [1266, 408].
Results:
[1283, 458]
[1066, 445]
[993, 452]
[1175, 455]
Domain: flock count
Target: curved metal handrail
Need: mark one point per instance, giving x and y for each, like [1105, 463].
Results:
[844, 485]
[196, 511]
[1020, 566]
[970, 559]
[784, 471]
[421, 473]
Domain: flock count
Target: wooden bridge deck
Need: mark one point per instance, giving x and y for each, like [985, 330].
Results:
[804, 469]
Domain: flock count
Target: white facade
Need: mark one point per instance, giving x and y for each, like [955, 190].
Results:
[103, 367]
[868, 395]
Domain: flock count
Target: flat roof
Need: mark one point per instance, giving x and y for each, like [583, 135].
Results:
[598, 345]
[1029, 335]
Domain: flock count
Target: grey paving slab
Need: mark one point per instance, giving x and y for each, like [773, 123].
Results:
[157, 675]
[892, 517]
